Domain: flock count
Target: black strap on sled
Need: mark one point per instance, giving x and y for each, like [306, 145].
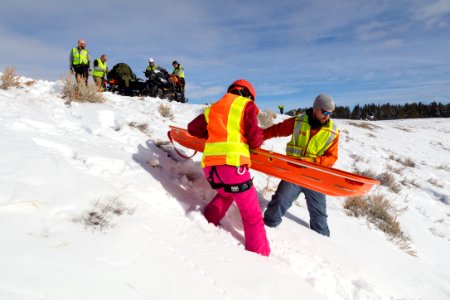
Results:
[229, 188]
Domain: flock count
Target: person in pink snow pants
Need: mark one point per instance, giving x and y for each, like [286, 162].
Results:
[230, 127]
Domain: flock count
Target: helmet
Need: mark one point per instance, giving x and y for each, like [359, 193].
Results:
[243, 84]
[150, 60]
[175, 62]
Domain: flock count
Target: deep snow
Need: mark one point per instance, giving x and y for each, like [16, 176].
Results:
[59, 163]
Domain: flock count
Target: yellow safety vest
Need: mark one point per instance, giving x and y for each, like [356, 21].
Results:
[301, 145]
[152, 68]
[226, 144]
[100, 70]
[179, 71]
[80, 57]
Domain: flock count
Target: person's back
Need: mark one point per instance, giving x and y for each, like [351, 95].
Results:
[231, 128]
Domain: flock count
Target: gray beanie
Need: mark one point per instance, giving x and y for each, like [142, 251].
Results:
[324, 101]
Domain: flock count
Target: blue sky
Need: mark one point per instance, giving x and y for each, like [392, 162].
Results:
[358, 51]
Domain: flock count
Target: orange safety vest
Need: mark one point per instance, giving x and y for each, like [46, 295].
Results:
[226, 144]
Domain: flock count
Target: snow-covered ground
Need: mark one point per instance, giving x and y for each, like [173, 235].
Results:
[92, 207]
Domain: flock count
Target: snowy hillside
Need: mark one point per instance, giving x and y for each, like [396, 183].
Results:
[95, 204]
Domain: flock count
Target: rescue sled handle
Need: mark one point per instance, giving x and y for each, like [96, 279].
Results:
[326, 180]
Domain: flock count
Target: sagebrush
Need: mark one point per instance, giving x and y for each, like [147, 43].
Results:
[379, 212]
[79, 91]
[102, 213]
[9, 78]
[165, 111]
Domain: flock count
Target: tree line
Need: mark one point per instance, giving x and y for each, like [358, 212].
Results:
[388, 111]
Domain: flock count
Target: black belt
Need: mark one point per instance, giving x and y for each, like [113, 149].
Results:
[229, 188]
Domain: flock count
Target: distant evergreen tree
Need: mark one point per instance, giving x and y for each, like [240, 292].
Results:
[388, 111]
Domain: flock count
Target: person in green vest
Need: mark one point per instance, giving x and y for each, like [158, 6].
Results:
[281, 108]
[152, 67]
[99, 73]
[178, 72]
[80, 61]
[315, 139]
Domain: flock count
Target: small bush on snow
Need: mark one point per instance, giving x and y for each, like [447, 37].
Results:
[9, 78]
[378, 211]
[78, 91]
[103, 212]
[165, 111]
[143, 127]
[387, 179]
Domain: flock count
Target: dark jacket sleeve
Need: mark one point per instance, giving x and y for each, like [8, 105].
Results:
[284, 128]
[198, 127]
[253, 133]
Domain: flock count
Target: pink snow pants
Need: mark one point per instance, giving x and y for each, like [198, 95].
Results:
[247, 203]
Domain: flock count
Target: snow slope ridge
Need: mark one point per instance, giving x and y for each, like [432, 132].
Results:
[95, 203]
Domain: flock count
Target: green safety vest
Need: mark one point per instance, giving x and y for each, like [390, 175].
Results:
[179, 71]
[100, 70]
[80, 57]
[301, 145]
[152, 68]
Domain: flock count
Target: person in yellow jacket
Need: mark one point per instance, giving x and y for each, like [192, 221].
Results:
[80, 61]
[231, 129]
[99, 73]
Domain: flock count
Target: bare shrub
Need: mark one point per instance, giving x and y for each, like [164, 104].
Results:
[367, 173]
[266, 118]
[444, 167]
[407, 162]
[356, 206]
[414, 183]
[356, 157]
[388, 180]
[378, 211]
[364, 125]
[30, 82]
[143, 127]
[78, 91]
[165, 111]
[394, 169]
[9, 78]
[99, 217]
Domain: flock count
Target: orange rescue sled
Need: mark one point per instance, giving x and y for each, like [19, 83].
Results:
[329, 181]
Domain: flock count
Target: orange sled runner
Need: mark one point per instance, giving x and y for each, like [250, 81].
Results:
[329, 181]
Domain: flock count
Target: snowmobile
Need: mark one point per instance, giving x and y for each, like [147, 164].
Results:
[122, 80]
[159, 84]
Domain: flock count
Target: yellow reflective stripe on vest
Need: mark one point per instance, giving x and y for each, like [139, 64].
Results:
[233, 148]
[80, 57]
[100, 70]
[301, 145]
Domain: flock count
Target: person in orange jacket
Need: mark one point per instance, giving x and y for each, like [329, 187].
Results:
[231, 128]
[314, 138]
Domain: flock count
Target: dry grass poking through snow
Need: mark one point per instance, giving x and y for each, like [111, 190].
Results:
[80, 92]
[9, 78]
[100, 216]
[379, 212]
[165, 111]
